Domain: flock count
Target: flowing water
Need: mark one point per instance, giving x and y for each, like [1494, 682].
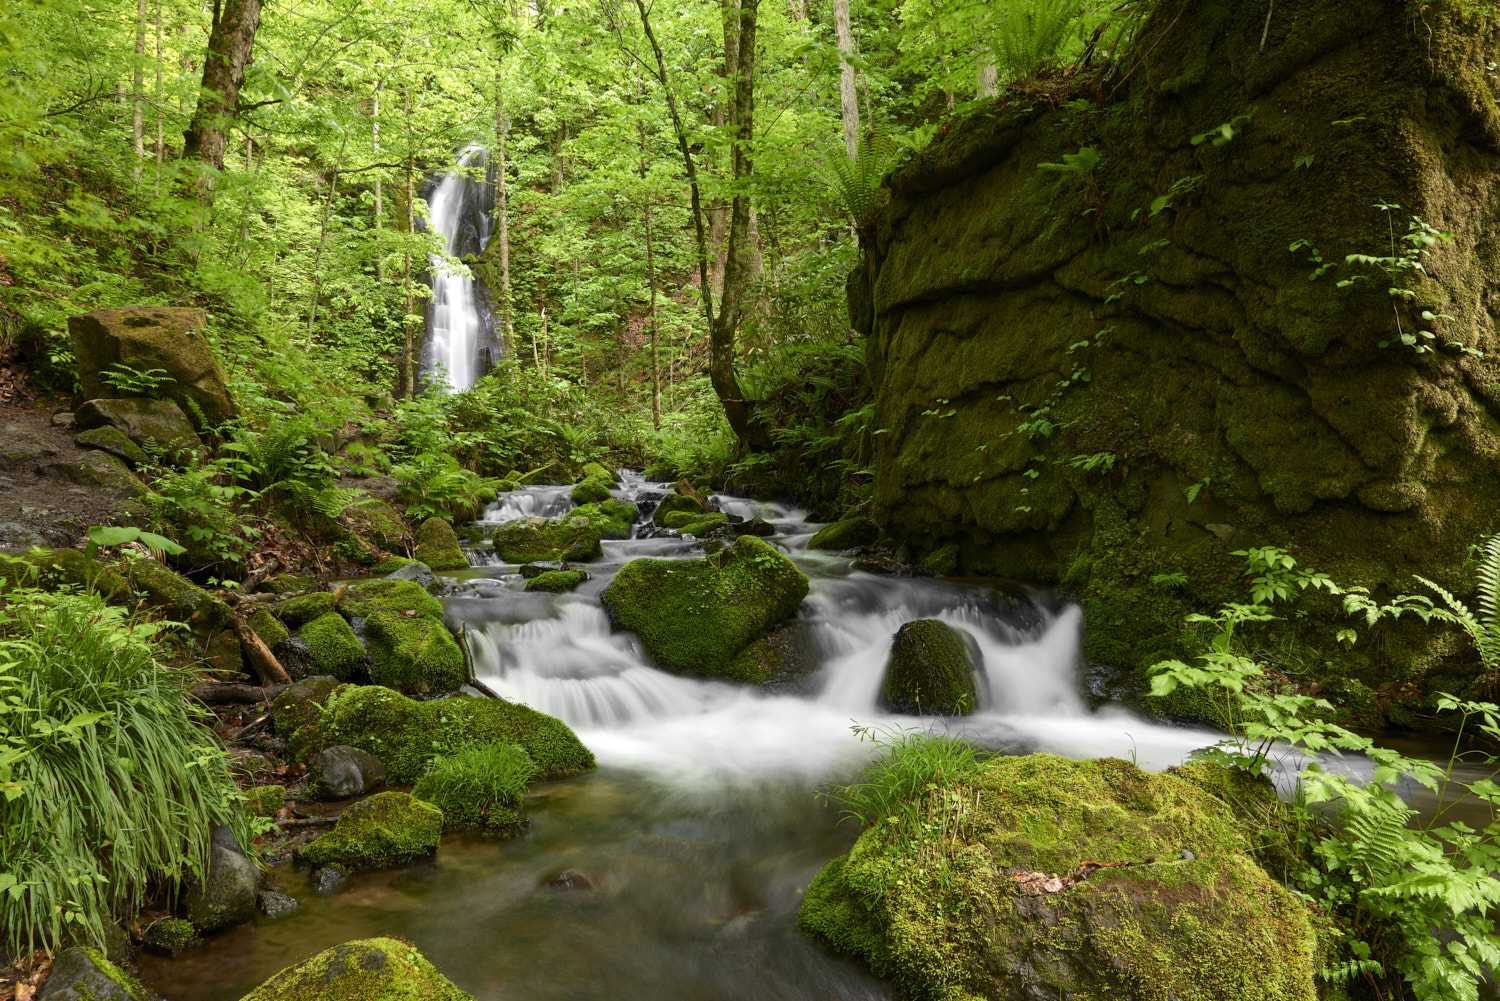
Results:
[701, 828]
[461, 340]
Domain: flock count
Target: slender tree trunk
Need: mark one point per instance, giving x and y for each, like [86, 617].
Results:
[546, 348]
[161, 146]
[937, 27]
[317, 276]
[229, 46]
[379, 203]
[848, 97]
[502, 215]
[138, 93]
[986, 79]
[640, 132]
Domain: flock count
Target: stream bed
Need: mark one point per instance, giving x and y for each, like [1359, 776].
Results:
[702, 827]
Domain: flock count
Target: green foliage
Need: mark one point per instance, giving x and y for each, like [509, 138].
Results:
[434, 485]
[98, 740]
[135, 382]
[1031, 32]
[479, 785]
[856, 183]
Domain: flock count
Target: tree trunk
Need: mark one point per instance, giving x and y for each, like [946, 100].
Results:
[160, 111]
[138, 93]
[986, 79]
[379, 203]
[848, 98]
[640, 132]
[502, 220]
[317, 275]
[229, 47]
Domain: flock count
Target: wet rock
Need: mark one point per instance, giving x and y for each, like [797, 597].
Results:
[87, 975]
[275, 904]
[557, 582]
[148, 423]
[21, 449]
[689, 523]
[850, 533]
[332, 647]
[531, 570]
[931, 669]
[572, 879]
[342, 771]
[592, 491]
[96, 469]
[755, 526]
[673, 503]
[783, 657]
[113, 441]
[421, 575]
[169, 338]
[612, 518]
[227, 894]
[389, 829]
[437, 546]
[537, 539]
[887, 567]
[376, 969]
[329, 880]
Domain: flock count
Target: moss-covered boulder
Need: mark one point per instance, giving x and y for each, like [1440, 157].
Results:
[113, 441]
[613, 518]
[386, 830]
[696, 615]
[96, 469]
[268, 627]
[553, 472]
[306, 607]
[847, 534]
[370, 596]
[332, 647]
[537, 539]
[375, 969]
[557, 581]
[931, 670]
[295, 713]
[1030, 898]
[682, 520]
[264, 801]
[597, 471]
[672, 503]
[151, 424]
[413, 654]
[169, 338]
[176, 597]
[787, 654]
[80, 974]
[592, 491]
[437, 546]
[378, 522]
[406, 734]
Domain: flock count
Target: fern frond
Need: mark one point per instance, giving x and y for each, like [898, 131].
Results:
[334, 501]
[1488, 576]
[1461, 613]
[856, 183]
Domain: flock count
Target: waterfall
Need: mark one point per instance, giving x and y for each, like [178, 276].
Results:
[461, 336]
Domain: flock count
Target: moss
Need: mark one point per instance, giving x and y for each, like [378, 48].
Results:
[307, 607]
[376, 969]
[680, 520]
[788, 653]
[703, 525]
[597, 471]
[696, 615]
[390, 564]
[264, 801]
[268, 627]
[368, 597]
[592, 491]
[287, 582]
[53, 569]
[612, 518]
[171, 934]
[437, 546]
[931, 669]
[413, 654]
[942, 562]
[538, 540]
[332, 645]
[85, 974]
[388, 829]
[177, 597]
[948, 921]
[672, 503]
[405, 734]
[557, 581]
[378, 522]
[296, 711]
[552, 472]
[847, 534]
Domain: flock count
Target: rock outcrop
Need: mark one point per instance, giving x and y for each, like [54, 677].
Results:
[142, 338]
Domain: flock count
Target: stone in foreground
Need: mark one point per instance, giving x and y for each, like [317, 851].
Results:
[374, 969]
[86, 975]
[389, 829]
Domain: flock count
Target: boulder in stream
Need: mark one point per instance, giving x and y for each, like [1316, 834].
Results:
[341, 771]
[413, 654]
[226, 895]
[592, 491]
[696, 615]
[375, 969]
[420, 574]
[931, 669]
[557, 581]
[1071, 879]
[672, 503]
[387, 830]
[80, 974]
[437, 546]
[537, 539]
[613, 518]
[332, 648]
[847, 534]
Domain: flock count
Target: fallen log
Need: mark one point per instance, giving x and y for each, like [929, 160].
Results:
[261, 659]
[225, 691]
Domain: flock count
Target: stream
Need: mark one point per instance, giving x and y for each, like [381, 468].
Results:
[702, 826]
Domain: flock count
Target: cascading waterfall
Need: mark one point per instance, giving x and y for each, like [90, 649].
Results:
[461, 340]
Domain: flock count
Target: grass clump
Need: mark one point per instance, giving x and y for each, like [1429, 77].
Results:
[98, 740]
[479, 786]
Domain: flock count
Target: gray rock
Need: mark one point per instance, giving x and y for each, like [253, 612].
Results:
[96, 469]
[343, 771]
[383, 488]
[328, 880]
[62, 420]
[15, 534]
[227, 894]
[113, 441]
[755, 526]
[572, 879]
[531, 570]
[20, 449]
[86, 975]
[420, 574]
[148, 423]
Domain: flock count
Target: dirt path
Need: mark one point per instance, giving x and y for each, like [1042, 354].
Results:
[44, 510]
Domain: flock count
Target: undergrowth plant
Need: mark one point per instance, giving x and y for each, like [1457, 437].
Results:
[434, 485]
[479, 785]
[108, 784]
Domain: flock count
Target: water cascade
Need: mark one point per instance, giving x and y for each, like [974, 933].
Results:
[461, 338]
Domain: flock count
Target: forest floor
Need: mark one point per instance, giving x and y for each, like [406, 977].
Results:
[45, 510]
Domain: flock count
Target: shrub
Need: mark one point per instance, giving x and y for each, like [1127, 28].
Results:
[480, 785]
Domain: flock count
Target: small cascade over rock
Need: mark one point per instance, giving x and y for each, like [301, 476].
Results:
[461, 340]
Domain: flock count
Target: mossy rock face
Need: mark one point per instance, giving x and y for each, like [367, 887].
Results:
[942, 562]
[307, 607]
[379, 522]
[931, 669]
[178, 598]
[332, 646]
[557, 581]
[301, 705]
[672, 503]
[592, 491]
[264, 801]
[413, 654]
[375, 969]
[151, 424]
[169, 338]
[537, 540]
[552, 473]
[597, 471]
[113, 441]
[368, 597]
[696, 615]
[405, 734]
[787, 654]
[613, 518]
[847, 534]
[1210, 927]
[268, 627]
[437, 546]
[53, 569]
[386, 830]
[97, 469]
[80, 974]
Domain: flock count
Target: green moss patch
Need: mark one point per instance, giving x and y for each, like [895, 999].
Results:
[388, 829]
[613, 518]
[437, 546]
[307, 607]
[537, 540]
[375, 969]
[55, 569]
[264, 801]
[592, 491]
[696, 615]
[405, 734]
[673, 503]
[332, 645]
[931, 669]
[268, 627]
[847, 534]
[413, 654]
[557, 581]
[367, 597]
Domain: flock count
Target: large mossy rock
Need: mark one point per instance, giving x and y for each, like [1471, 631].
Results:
[378, 522]
[415, 654]
[696, 615]
[375, 969]
[613, 518]
[672, 503]
[178, 598]
[99, 470]
[538, 540]
[151, 424]
[170, 338]
[437, 546]
[384, 831]
[932, 669]
[332, 647]
[392, 594]
[115, 442]
[1192, 916]
[406, 734]
[1230, 401]
[80, 974]
[592, 491]
[847, 534]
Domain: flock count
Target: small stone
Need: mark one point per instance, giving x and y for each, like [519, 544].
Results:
[572, 879]
[421, 575]
[328, 880]
[275, 904]
[531, 570]
[62, 420]
[1185, 854]
[113, 440]
[342, 771]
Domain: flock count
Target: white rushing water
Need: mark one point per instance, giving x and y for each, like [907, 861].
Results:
[557, 654]
[459, 333]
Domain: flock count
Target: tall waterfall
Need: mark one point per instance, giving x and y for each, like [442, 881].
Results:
[460, 316]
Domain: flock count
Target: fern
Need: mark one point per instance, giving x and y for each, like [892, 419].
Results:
[1031, 32]
[332, 502]
[1484, 628]
[856, 183]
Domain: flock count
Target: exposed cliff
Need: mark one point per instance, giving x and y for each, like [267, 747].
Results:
[1098, 374]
